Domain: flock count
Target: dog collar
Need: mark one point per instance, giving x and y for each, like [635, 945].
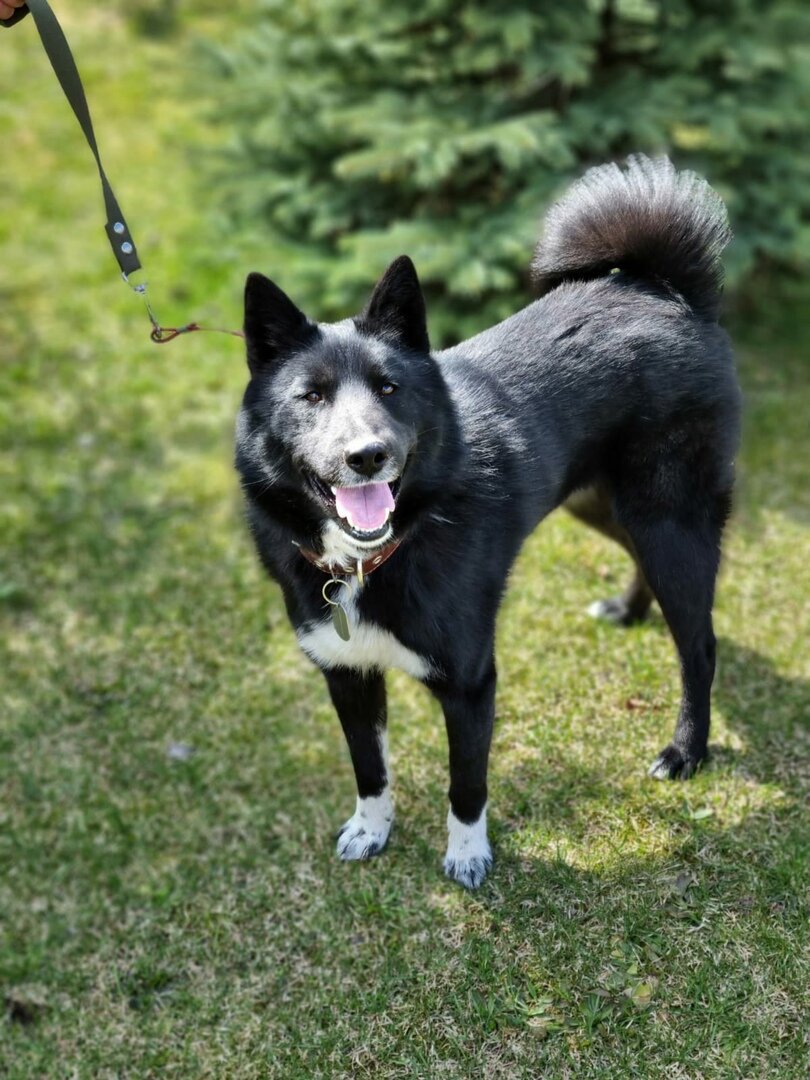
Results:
[363, 568]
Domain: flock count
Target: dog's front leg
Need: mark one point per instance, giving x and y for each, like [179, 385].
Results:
[359, 698]
[469, 713]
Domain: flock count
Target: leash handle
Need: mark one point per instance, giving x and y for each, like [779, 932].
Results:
[20, 13]
[58, 51]
[120, 238]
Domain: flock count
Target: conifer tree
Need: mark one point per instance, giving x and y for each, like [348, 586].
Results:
[444, 130]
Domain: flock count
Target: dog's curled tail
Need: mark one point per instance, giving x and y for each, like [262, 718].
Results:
[647, 220]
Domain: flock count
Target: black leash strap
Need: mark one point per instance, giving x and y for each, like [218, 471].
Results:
[118, 233]
[64, 66]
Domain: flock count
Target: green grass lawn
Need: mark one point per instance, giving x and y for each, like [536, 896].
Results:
[187, 917]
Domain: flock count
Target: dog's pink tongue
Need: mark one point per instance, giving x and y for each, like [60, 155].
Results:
[366, 506]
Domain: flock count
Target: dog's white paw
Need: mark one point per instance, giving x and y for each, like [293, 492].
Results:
[618, 611]
[366, 832]
[469, 856]
[613, 610]
[469, 872]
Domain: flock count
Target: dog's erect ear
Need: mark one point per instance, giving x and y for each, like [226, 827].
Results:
[273, 324]
[397, 308]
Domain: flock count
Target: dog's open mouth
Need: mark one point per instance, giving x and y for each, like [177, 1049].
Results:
[362, 510]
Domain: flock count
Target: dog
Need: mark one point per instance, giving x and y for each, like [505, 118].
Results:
[389, 488]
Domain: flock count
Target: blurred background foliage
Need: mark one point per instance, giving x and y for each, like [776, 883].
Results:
[445, 130]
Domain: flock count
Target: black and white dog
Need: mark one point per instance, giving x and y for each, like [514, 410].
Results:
[389, 489]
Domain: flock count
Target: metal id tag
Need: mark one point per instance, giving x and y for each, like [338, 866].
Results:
[340, 620]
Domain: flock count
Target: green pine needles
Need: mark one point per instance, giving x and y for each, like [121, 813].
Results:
[445, 130]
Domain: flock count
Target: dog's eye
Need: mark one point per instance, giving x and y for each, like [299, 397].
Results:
[313, 396]
[387, 389]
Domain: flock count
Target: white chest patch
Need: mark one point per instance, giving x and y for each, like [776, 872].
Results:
[369, 647]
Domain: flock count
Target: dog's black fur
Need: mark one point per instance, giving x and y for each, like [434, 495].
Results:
[615, 390]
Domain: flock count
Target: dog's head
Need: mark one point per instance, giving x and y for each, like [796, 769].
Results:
[341, 423]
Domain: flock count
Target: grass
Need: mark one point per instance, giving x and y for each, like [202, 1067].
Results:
[171, 774]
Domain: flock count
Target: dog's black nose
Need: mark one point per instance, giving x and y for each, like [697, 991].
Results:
[366, 458]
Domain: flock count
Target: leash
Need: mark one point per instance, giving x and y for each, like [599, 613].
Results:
[126, 255]
[118, 233]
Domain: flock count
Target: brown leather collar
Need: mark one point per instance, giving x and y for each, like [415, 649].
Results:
[364, 567]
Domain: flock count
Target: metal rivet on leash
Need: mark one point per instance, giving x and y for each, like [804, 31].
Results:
[119, 228]
[340, 620]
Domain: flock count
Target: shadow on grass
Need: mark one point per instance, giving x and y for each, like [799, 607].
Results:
[769, 710]
[645, 951]
[627, 954]
[636, 951]
[765, 709]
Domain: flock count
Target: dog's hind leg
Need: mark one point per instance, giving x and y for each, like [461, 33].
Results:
[469, 714]
[360, 701]
[594, 507]
[679, 548]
